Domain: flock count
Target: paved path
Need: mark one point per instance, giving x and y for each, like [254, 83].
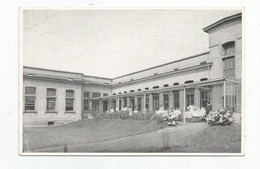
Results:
[156, 141]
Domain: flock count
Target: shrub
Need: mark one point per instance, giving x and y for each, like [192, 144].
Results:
[221, 117]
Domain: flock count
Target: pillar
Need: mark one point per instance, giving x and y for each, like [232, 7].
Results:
[117, 104]
[197, 97]
[161, 99]
[90, 102]
[127, 103]
[135, 102]
[150, 103]
[184, 103]
[143, 102]
[171, 100]
[100, 106]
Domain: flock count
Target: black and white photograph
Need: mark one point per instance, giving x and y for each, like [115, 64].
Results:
[132, 81]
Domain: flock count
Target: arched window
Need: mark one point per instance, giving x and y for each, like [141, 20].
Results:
[203, 79]
[139, 89]
[147, 88]
[132, 91]
[176, 84]
[105, 94]
[30, 97]
[166, 85]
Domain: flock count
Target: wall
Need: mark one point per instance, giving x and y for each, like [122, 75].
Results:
[41, 91]
[228, 31]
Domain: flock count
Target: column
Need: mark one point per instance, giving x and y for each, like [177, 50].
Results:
[150, 103]
[197, 97]
[143, 102]
[135, 103]
[127, 103]
[161, 99]
[117, 104]
[90, 102]
[171, 100]
[184, 103]
[100, 106]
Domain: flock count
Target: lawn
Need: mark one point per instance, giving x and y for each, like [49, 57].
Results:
[85, 131]
[214, 139]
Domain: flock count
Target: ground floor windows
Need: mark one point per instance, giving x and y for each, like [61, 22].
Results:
[86, 105]
[147, 103]
[69, 104]
[204, 98]
[29, 103]
[156, 103]
[95, 105]
[176, 100]
[189, 99]
[51, 99]
[139, 104]
[51, 104]
[30, 98]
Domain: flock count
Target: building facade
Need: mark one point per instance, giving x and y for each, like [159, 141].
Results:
[57, 97]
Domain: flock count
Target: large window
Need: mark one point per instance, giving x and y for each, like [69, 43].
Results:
[229, 67]
[86, 105]
[189, 98]
[228, 48]
[147, 103]
[139, 104]
[51, 99]
[176, 100]
[69, 100]
[30, 97]
[166, 101]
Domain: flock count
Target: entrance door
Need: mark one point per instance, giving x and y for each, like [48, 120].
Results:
[156, 104]
[105, 106]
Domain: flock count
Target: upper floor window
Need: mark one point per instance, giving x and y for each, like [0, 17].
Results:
[69, 100]
[105, 94]
[228, 48]
[229, 67]
[51, 99]
[30, 97]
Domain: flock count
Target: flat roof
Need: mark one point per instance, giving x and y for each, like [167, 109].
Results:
[206, 29]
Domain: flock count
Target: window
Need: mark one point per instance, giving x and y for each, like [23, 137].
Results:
[229, 67]
[86, 95]
[204, 98]
[69, 93]
[176, 100]
[69, 100]
[147, 103]
[86, 105]
[228, 48]
[51, 99]
[190, 99]
[166, 101]
[30, 97]
[155, 87]
[105, 94]
[96, 94]
[176, 84]
[166, 85]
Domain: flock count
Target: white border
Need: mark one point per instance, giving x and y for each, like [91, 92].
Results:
[127, 154]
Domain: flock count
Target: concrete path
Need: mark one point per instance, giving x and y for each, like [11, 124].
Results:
[155, 141]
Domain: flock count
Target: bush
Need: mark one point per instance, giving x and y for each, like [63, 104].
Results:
[221, 117]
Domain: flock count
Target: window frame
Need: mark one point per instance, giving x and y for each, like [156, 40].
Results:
[30, 95]
[71, 98]
[51, 97]
[225, 68]
[166, 101]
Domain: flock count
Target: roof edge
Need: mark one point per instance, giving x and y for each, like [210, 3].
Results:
[186, 58]
[206, 29]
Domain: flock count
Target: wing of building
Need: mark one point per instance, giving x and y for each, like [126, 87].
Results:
[58, 97]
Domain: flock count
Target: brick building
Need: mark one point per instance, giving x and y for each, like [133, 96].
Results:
[59, 97]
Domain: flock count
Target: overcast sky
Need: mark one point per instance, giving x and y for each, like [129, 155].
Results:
[110, 43]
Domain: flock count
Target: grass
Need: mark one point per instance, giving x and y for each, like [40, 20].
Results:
[214, 139]
[86, 131]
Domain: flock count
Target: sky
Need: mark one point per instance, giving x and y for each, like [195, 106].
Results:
[111, 43]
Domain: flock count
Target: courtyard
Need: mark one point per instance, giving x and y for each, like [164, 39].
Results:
[133, 136]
